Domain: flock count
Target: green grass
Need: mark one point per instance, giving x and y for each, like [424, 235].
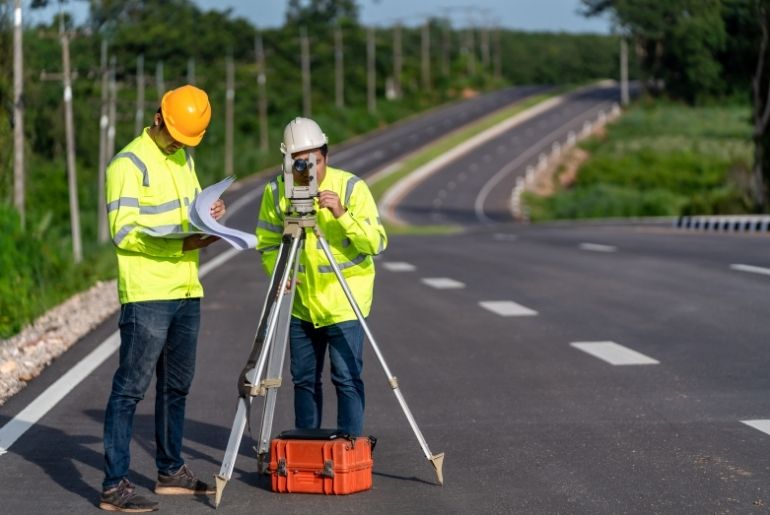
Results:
[660, 159]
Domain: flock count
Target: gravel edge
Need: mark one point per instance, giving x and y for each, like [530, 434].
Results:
[24, 357]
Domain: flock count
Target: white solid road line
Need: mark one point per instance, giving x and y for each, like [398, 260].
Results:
[442, 283]
[44, 402]
[597, 247]
[398, 266]
[751, 269]
[614, 354]
[761, 425]
[507, 308]
[29, 416]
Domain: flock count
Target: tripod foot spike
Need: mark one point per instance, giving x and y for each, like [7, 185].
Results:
[438, 464]
[221, 484]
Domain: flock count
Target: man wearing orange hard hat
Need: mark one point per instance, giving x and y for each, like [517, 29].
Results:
[150, 184]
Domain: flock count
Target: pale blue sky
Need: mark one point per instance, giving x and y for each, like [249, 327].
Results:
[550, 15]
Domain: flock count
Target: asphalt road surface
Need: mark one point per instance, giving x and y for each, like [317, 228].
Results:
[503, 338]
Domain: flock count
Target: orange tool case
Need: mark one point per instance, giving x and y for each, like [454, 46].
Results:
[321, 461]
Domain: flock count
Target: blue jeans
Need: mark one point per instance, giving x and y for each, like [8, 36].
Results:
[160, 337]
[308, 344]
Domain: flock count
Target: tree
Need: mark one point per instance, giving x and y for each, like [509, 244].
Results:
[760, 89]
[320, 12]
[677, 42]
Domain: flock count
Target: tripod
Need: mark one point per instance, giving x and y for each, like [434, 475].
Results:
[269, 352]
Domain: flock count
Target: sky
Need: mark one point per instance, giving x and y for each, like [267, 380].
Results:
[531, 15]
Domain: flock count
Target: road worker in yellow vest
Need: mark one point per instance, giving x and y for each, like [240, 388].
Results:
[150, 184]
[322, 317]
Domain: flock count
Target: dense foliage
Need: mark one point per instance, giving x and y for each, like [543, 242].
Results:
[661, 159]
[174, 32]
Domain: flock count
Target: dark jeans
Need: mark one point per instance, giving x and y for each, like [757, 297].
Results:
[308, 349]
[157, 336]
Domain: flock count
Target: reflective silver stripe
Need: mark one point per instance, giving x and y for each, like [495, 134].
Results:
[122, 202]
[368, 222]
[276, 200]
[270, 227]
[166, 229]
[186, 201]
[268, 249]
[379, 220]
[188, 158]
[325, 269]
[349, 189]
[138, 163]
[160, 208]
[301, 268]
[122, 233]
[382, 245]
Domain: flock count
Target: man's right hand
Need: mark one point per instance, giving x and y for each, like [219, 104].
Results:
[198, 241]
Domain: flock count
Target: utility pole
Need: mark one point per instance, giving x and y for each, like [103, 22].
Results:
[229, 100]
[160, 83]
[485, 47]
[139, 117]
[191, 71]
[339, 69]
[445, 35]
[305, 47]
[498, 55]
[101, 210]
[425, 46]
[371, 99]
[470, 44]
[262, 89]
[112, 111]
[397, 60]
[69, 126]
[624, 95]
[18, 114]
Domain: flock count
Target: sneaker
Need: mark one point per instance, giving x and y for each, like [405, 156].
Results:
[124, 498]
[182, 482]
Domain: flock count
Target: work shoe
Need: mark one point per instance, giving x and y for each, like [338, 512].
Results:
[124, 498]
[182, 482]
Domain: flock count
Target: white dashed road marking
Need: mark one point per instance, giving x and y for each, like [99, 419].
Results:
[751, 269]
[614, 354]
[596, 247]
[761, 425]
[442, 283]
[399, 266]
[507, 308]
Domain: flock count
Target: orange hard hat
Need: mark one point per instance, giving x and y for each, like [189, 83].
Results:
[186, 112]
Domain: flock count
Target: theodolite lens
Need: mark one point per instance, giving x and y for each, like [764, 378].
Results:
[301, 165]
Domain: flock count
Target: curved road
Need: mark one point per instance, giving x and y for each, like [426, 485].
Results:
[565, 368]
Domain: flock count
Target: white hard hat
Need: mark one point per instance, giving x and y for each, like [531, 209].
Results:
[302, 134]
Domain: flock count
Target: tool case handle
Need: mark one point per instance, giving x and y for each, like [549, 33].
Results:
[321, 434]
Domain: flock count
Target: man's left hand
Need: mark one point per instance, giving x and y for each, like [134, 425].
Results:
[218, 209]
[331, 201]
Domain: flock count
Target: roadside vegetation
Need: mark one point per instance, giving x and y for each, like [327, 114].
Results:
[38, 271]
[659, 159]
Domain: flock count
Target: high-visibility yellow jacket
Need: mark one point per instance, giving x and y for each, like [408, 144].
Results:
[147, 188]
[354, 238]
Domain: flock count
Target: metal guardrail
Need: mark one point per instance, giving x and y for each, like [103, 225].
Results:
[725, 223]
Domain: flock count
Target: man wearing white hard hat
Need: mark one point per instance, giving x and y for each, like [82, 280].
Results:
[322, 317]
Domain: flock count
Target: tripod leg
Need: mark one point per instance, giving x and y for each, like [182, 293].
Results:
[273, 379]
[437, 460]
[264, 338]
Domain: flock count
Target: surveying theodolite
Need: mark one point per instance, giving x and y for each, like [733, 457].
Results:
[269, 349]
